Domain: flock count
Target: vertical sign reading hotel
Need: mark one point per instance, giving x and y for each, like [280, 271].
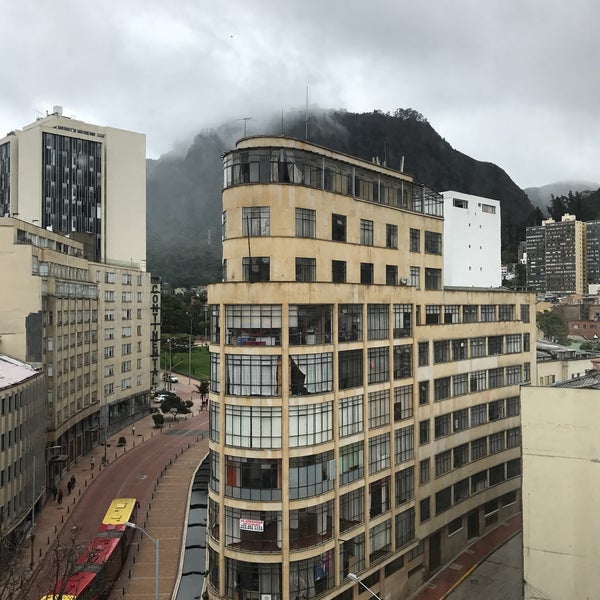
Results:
[155, 339]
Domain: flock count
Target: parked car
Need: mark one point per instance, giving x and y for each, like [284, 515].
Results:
[173, 378]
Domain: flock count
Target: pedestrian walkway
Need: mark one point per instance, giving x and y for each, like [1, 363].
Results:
[165, 514]
[454, 573]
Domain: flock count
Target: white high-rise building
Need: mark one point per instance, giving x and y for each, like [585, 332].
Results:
[472, 251]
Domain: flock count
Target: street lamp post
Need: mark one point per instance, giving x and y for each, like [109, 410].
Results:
[190, 353]
[156, 546]
[355, 577]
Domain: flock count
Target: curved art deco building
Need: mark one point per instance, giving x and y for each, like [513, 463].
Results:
[364, 419]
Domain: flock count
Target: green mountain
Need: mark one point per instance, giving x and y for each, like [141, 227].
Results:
[184, 190]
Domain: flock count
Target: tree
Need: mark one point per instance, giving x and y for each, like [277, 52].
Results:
[158, 419]
[203, 388]
[174, 405]
[553, 326]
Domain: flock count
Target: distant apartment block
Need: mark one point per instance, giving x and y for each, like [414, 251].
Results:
[472, 253]
[85, 181]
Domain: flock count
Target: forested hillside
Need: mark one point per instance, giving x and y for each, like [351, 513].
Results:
[184, 190]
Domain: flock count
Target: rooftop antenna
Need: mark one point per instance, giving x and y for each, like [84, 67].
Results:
[282, 122]
[245, 119]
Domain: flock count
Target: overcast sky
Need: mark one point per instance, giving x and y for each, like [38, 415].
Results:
[513, 82]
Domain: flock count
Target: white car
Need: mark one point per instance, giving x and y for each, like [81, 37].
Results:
[173, 378]
[160, 397]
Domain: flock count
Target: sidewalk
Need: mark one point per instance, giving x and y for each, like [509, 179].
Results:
[162, 512]
[454, 573]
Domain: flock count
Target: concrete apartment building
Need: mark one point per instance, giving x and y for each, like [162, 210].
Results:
[564, 249]
[472, 251]
[77, 302]
[22, 436]
[364, 418]
[560, 437]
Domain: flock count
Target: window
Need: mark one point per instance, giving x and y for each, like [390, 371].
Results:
[379, 497]
[443, 463]
[525, 342]
[496, 442]
[443, 500]
[306, 269]
[441, 389]
[310, 373]
[352, 509]
[402, 320]
[350, 323]
[513, 343]
[378, 322]
[433, 313]
[338, 271]
[351, 462]
[379, 408]
[405, 527]
[379, 364]
[404, 442]
[496, 378]
[441, 351]
[477, 381]
[478, 448]
[477, 347]
[461, 490]
[460, 384]
[415, 277]
[470, 313]
[451, 313]
[366, 273]
[254, 478]
[455, 526]
[405, 485]
[391, 275]
[478, 415]
[391, 236]
[402, 361]
[305, 223]
[488, 313]
[310, 424]
[366, 232]
[248, 375]
[479, 481]
[525, 313]
[513, 406]
[379, 452]
[433, 279]
[256, 268]
[380, 540]
[255, 221]
[311, 475]
[424, 432]
[442, 426]
[415, 240]
[423, 393]
[433, 242]
[253, 426]
[425, 509]
[513, 437]
[513, 375]
[350, 369]
[424, 470]
[506, 312]
[496, 410]
[351, 415]
[224, 226]
[460, 456]
[526, 371]
[338, 228]
[403, 399]
[494, 345]
[460, 419]
[488, 208]
[423, 354]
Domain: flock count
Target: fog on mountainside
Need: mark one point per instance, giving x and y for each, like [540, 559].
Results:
[184, 190]
[541, 197]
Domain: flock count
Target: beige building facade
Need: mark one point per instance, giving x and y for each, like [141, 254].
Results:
[82, 180]
[560, 468]
[86, 325]
[364, 418]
